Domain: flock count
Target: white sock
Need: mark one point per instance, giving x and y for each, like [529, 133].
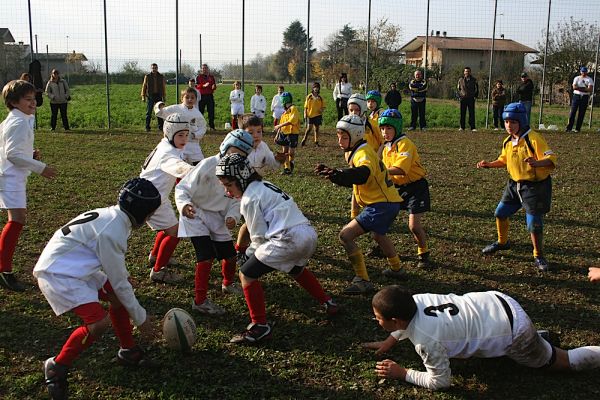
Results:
[584, 358]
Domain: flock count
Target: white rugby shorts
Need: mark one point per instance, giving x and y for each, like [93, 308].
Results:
[163, 218]
[64, 293]
[205, 223]
[10, 199]
[291, 248]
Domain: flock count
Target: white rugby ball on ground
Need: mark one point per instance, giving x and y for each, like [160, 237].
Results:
[179, 330]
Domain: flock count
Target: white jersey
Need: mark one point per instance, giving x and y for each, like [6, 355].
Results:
[258, 105]
[277, 107]
[268, 212]
[452, 326]
[163, 166]
[236, 97]
[192, 151]
[582, 82]
[204, 191]
[89, 246]
[262, 159]
[16, 151]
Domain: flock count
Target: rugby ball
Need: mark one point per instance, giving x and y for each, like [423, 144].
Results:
[179, 330]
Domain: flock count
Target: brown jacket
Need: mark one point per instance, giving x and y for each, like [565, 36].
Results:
[154, 85]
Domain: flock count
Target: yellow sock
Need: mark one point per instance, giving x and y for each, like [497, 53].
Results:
[286, 165]
[538, 243]
[394, 263]
[358, 263]
[502, 227]
[422, 250]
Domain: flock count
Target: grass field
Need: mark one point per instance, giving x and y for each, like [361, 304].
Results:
[310, 358]
[87, 110]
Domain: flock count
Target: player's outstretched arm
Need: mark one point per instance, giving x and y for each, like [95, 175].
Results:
[594, 274]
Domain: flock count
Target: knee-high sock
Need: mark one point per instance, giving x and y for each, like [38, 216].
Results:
[255, 299]
[502, 228]
[422, 250]
[228, 271]
[309, 282]
[160, 236]
[394, 263]
[165, 251]
[234, 122]
[584, 358]
[537, 240]
[122, 326]
[358, 263]
[79, 340]
[201, 280]
[8, 244]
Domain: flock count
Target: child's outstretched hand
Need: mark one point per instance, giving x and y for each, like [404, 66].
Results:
[322, 170]
[148, 330]
[594, 274]
[49, 173]
[377, 346]
[188, 211]
[230, 222]
[37, 155]
[389, 369]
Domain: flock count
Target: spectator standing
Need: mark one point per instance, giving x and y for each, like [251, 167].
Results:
[525, 91]
[59, 94]
[583, 85]
[468, 90]
[205, 83]
[258, 103]
[341, 93]
[276, 105]
[192, 84]
[418, 95]
[154, 89]
[393, 98]
[498, 102]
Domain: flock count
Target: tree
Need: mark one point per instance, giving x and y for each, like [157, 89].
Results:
[290, 61]
[571, 44]
[132, 68]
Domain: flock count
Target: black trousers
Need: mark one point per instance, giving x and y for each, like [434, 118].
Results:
[578, 106]
[151, 100]
[467, 103]
[342, 107]
[63, 115]
[417, 110]
[207, 101]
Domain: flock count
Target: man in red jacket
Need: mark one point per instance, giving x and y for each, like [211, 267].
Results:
[205, 83]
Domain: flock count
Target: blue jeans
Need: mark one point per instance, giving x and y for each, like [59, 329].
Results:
[579, 104]
[151, 100]
[497, 113]
[527, 105]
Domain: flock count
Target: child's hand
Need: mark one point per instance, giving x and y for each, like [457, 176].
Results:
[532, 162]
[37, 155]
[389, 369]
[280, 157]
[188, 211]
[319, 168]
[49, 173]
[483, 164]
[230, 222]
[594, 274]
[377, 346]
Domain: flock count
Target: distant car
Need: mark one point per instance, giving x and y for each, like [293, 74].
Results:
[182, 79]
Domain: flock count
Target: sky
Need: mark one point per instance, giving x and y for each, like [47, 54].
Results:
[144, 31]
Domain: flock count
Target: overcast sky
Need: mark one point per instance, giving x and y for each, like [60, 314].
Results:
[144, 30]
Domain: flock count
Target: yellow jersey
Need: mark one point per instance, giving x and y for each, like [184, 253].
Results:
[403, 154]
[374, 121]
[290, 115]
[378, 188]
[373, 136]
[514, 153]
[313, 106]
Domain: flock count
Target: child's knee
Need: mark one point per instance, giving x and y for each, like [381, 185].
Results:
[535, 223]
[97, 329]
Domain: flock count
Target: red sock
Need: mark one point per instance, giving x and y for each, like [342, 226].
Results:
[234, 123]
[8, 244]
[255, 299]
[165, 251]
[228, 271]
[309, 282]
[79, 340]
[122, 326]
[201, 280]
[240, 248]
[159, 238]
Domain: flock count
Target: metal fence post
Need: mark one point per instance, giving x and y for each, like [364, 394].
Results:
[426, 43]
[176, 52]
[489, 93]
[544, 70]
[595, 72]
[307, 67]
[368, 49]
[106, 63]
[243, 42]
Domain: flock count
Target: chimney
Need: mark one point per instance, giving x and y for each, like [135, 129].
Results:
[431, 33]
[444, 33]
[437, 33]
[21, 43]
[502, 36]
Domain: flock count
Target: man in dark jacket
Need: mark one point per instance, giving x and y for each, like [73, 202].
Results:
[418, 94]
[525, 92]
[468, 90]
[154, 89]
[393, 97]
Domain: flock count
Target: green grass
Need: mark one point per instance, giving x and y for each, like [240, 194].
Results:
[308, 357]
[87, 110]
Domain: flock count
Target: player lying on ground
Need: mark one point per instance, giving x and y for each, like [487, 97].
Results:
[479, 324]
[84, 263]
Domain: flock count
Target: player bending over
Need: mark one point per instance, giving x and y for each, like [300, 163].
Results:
[373, 191]
[84, 263]
[479, 324]
[282, 240]
[206, 216]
